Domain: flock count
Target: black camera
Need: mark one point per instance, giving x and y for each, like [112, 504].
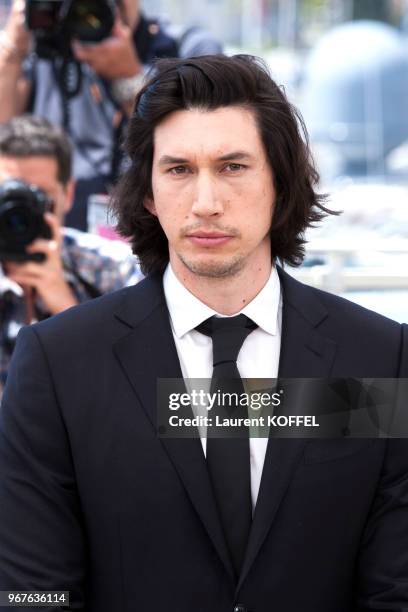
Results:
[22, 209]
[55, 23]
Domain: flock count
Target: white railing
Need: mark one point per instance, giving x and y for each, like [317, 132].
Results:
[335, 276]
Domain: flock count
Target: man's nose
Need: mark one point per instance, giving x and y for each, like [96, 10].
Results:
[206, 200]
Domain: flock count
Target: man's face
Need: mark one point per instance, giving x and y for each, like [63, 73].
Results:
[213, 191]
[41, 172]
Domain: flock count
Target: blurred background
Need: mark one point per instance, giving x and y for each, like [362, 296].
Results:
[344, 64]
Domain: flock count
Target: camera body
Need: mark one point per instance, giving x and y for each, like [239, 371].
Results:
[55, 23]
[22, 208]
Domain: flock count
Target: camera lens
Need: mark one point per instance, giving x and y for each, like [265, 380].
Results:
[22, 208]
[90, 20]
[18, 221]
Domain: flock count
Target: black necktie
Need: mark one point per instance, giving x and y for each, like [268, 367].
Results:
[228, 458]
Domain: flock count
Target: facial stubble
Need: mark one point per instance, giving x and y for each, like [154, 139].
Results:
[214, 269]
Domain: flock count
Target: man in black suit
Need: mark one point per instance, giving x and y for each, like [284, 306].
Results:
[92, 500]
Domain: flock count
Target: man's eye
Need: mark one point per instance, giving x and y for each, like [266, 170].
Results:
[234, 167]
[178, 170]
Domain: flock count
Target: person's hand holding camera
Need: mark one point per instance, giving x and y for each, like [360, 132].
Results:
[15, 44]
[47, 277]
[15, 38]
[113, 58]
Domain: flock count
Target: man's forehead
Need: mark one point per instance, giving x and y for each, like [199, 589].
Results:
[214, 133]
[28, 161]
[37, 170]
[218, 155]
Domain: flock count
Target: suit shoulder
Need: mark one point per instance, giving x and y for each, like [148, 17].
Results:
[316, 304]
[352, 313]
[91, 317]
[340, 318]
[368, 344]
[364, 332]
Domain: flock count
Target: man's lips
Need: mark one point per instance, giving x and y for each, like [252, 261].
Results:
[209, 239]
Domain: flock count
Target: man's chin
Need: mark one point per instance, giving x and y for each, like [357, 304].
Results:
[213, 268]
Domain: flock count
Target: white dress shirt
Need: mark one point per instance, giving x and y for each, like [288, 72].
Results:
[258, 357]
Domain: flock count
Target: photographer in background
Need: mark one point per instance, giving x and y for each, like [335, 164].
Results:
[35, 173]
[111, 72]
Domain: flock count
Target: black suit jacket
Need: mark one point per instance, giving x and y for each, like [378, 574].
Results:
[93, 502]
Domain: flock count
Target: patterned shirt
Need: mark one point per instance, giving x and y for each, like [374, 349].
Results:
[92, 266]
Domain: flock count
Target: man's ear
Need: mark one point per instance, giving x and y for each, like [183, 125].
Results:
[149, 205]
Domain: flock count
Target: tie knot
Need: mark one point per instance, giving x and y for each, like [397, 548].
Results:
[228, 335]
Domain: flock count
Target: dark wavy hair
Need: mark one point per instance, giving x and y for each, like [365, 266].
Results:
[210, 82]
[32, 136]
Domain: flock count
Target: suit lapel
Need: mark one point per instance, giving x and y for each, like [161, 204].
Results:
[147, 352]
[305, 353]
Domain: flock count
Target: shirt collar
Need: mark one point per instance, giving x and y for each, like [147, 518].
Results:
[187, 311]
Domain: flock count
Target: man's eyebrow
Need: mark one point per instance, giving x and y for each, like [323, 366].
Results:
[165, 160]
[234, 155]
